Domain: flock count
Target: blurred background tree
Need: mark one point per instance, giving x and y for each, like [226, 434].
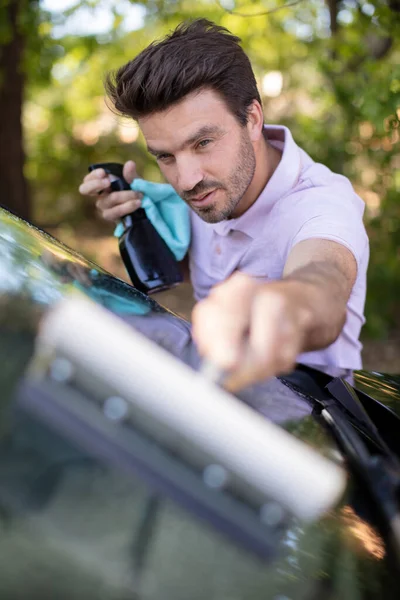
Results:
[328, 70]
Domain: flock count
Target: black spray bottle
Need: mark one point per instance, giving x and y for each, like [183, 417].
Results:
[148, 260]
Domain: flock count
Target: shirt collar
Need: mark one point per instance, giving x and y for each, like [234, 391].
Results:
[282, 181]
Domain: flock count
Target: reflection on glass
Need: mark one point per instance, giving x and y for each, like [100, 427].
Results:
[371, 541]
[36, 264]
[100, 287]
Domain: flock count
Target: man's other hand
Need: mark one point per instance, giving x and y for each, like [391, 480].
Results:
[112, 205]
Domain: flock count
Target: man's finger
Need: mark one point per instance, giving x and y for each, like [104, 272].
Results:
[271, 343]
[220, 322]
[116, 199]
[129, 171]
[95, 174]
[117, 212]
[247, 374]
[217, 334]
[274, 338]
[94, 186]
[265, 352]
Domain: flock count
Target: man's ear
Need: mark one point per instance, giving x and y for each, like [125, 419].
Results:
[255, 121]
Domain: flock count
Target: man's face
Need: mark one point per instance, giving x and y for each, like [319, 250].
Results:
[204, 153]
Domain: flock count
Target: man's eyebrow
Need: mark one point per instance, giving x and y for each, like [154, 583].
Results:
[203, 131]
[153, 152]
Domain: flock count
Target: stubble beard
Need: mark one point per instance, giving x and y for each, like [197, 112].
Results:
[235, 187]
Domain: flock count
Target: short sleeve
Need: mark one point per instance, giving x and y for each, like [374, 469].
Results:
[334, 214]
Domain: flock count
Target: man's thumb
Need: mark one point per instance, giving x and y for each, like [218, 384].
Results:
[129, 171]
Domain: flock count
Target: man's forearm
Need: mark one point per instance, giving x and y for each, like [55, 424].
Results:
[319, 292]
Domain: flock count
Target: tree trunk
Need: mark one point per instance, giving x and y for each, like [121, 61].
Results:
[333, 12]
[14, 192]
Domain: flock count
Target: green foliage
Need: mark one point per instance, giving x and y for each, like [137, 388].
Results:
[341, 98]
[384, 272]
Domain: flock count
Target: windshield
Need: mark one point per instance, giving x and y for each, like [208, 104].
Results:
[77, 523]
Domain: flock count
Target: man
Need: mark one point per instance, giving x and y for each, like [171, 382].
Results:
[283, 231]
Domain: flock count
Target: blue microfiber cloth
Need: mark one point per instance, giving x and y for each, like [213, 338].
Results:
[167, 212]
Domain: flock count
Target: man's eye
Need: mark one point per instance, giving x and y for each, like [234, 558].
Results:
[164, 157]
[203, 143]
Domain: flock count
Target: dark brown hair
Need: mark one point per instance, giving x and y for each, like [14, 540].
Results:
[197, 54]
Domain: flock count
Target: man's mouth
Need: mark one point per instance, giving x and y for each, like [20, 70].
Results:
[203, 199]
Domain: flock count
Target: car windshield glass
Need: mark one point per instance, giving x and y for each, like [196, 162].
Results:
[74, 525]
[35, 263]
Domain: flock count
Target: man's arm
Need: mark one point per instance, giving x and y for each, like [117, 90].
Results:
[257, 330]
[323, 274]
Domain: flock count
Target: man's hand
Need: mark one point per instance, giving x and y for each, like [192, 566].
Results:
[250, 330]
[112, 205]
[254, 331]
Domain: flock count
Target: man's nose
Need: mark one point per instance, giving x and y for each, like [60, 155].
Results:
[189, 174]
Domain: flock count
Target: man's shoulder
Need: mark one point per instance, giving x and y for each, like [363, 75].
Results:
[311, 173]
[325, 202]
[322, 207]
[319, 188]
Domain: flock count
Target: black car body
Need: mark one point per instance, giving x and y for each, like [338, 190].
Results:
[91, 507]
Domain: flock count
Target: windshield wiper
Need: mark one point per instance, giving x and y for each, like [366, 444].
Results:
[345, 394]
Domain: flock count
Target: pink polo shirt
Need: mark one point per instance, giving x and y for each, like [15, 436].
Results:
[302, 200]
